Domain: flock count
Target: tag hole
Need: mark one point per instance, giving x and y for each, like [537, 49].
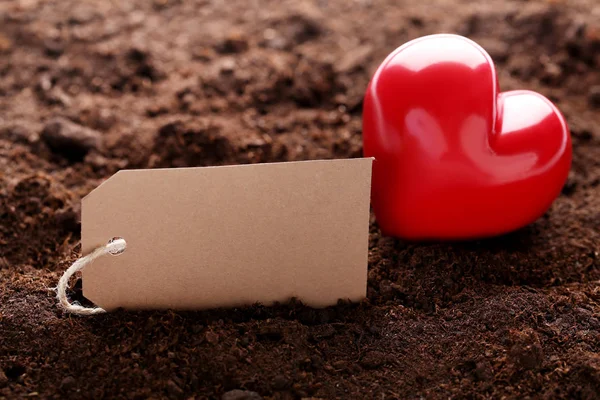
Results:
[116, 245]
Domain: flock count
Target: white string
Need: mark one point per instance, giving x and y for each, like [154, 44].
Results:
[113, 247]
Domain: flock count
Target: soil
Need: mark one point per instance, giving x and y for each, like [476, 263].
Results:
[88, 88]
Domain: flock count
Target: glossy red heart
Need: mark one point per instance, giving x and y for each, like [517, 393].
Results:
[454, 158]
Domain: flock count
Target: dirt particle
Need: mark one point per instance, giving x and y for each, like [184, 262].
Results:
[497, 49]
[5, 44]
[69, 219]
[526, 352]
[302, 27]
[594, 97]
[174, 389]
[20, 133]
[155, 110]
[373, 359]
[211, 337]
[235, 42]
[269, 333]
[238, 394]
[570, 185]
[293, 30]
[312, 82]
[323, 332]
[483, 371]
[99, 118]
[280, 382]
[82, 14]
[3, 379]
[68, 383]
[354, 59]
[16, 372]
[71, 140]
[203, 53]
[385, 289]
[189, 144]
[54, 47]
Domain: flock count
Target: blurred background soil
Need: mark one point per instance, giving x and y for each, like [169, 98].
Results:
[91, 87]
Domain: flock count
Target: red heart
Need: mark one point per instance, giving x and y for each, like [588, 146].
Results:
[455, 159]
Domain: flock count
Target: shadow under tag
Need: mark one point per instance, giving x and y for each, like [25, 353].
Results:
[228, 236]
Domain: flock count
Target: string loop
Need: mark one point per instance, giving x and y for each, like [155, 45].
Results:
[115, 246]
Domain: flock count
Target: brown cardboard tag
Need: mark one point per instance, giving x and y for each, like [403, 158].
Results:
[232, 235]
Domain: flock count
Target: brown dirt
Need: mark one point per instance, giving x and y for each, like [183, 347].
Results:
[87, 88]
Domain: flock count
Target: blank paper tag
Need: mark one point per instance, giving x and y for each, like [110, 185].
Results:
[228, 236]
